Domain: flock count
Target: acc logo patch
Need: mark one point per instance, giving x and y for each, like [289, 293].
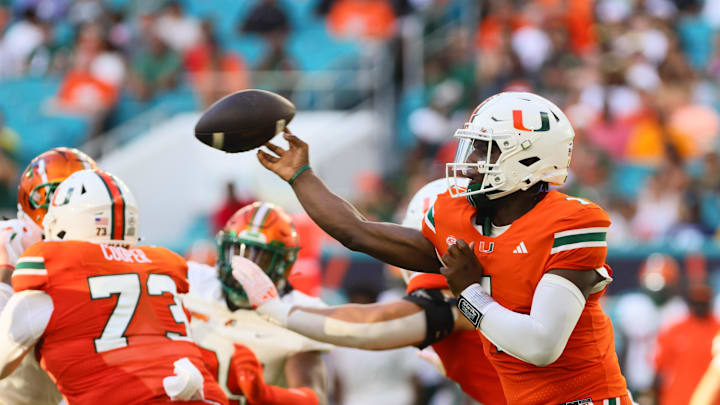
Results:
[451, 240]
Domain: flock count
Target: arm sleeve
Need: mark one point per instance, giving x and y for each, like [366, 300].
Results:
[540, 337]
[22, 323]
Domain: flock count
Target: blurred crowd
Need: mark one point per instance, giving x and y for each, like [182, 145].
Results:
[639, 79]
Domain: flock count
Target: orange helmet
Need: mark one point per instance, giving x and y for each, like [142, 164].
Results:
[42, 176]
[263, 233]
[658, 272]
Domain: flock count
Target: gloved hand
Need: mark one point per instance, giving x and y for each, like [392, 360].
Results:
[16, 235]
[186, 384]
[260, 290]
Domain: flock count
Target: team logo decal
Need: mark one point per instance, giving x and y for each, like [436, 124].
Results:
[482, 249]
[450, 240]
[518, 122]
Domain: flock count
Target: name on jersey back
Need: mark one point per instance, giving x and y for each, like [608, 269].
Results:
[120, 254]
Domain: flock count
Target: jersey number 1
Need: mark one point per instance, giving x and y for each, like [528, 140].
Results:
[127, 287]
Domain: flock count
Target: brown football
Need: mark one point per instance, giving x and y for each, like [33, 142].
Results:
[244, 120]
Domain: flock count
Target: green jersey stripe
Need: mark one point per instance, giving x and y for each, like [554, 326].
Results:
[30, 265]
[583, 237]
[430, 219]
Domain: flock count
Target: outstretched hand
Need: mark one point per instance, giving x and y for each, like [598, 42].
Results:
[257, 285]
[285, 163]
[462, 267]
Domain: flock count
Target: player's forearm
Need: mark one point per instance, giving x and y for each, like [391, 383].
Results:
[403, 247]
[538, 338]
[333, 214]
[351, 325]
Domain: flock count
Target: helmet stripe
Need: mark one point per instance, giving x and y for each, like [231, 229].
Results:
[117, 225]
[259, 217]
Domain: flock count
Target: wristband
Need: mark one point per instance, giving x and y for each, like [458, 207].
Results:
[473, 302]
[298, 173]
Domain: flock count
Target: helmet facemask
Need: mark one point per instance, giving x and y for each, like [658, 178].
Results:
[480, 153]
[274, 258]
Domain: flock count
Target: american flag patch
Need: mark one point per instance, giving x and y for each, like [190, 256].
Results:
[101, 221]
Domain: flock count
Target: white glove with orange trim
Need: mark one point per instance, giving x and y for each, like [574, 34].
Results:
[15, 236]
[261, 291]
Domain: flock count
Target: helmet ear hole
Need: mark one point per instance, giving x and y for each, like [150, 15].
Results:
[529, 161]
[61, 235]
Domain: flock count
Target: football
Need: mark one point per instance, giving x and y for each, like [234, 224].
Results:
[244, 120]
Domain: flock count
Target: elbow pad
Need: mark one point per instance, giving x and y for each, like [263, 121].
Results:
[439, 317]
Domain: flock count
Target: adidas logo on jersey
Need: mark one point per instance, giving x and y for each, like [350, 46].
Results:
[520, 248]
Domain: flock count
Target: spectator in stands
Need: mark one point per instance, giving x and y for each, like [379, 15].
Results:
[362, 19]
[214, 72]
[684, 350]
[155, 69]
[177, 29]
[658, 204]
[280, 66]
[228, 207]
[266, 18]
[434, 124]
[91, 87]
[18, 42]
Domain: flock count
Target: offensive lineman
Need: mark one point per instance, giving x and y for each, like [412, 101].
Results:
[425, 316]
[29, 384]
[224, 326]
[534, 269]
[108, 313]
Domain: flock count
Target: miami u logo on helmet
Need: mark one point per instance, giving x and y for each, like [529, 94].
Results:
[518, 122]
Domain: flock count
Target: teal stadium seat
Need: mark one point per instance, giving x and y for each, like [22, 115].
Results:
[22, 101]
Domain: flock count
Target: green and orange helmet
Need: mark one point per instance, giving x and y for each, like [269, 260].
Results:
[263, 233]
[43, 175]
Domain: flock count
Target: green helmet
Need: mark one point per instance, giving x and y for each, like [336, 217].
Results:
[264, 234]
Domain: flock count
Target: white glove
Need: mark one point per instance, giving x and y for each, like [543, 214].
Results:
[186, 384]
[261, 291]
[16, 235]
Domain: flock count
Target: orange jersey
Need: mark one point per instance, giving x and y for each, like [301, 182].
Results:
[117, 324]
[683, 353]
[560, 232]
[478, 377]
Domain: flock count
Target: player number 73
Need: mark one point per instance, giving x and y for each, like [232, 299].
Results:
[128, 289]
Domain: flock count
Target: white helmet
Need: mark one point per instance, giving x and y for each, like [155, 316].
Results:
[92, 206]
[534, 138]
[421, 201]
[418, 206]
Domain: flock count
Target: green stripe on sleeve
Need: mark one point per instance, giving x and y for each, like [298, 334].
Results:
[30, 265]
[583, 237]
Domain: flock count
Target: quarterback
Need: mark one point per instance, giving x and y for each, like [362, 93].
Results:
[107, 313]
[231, 334]
[527, 264]
[29, 384]
[425, 316]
